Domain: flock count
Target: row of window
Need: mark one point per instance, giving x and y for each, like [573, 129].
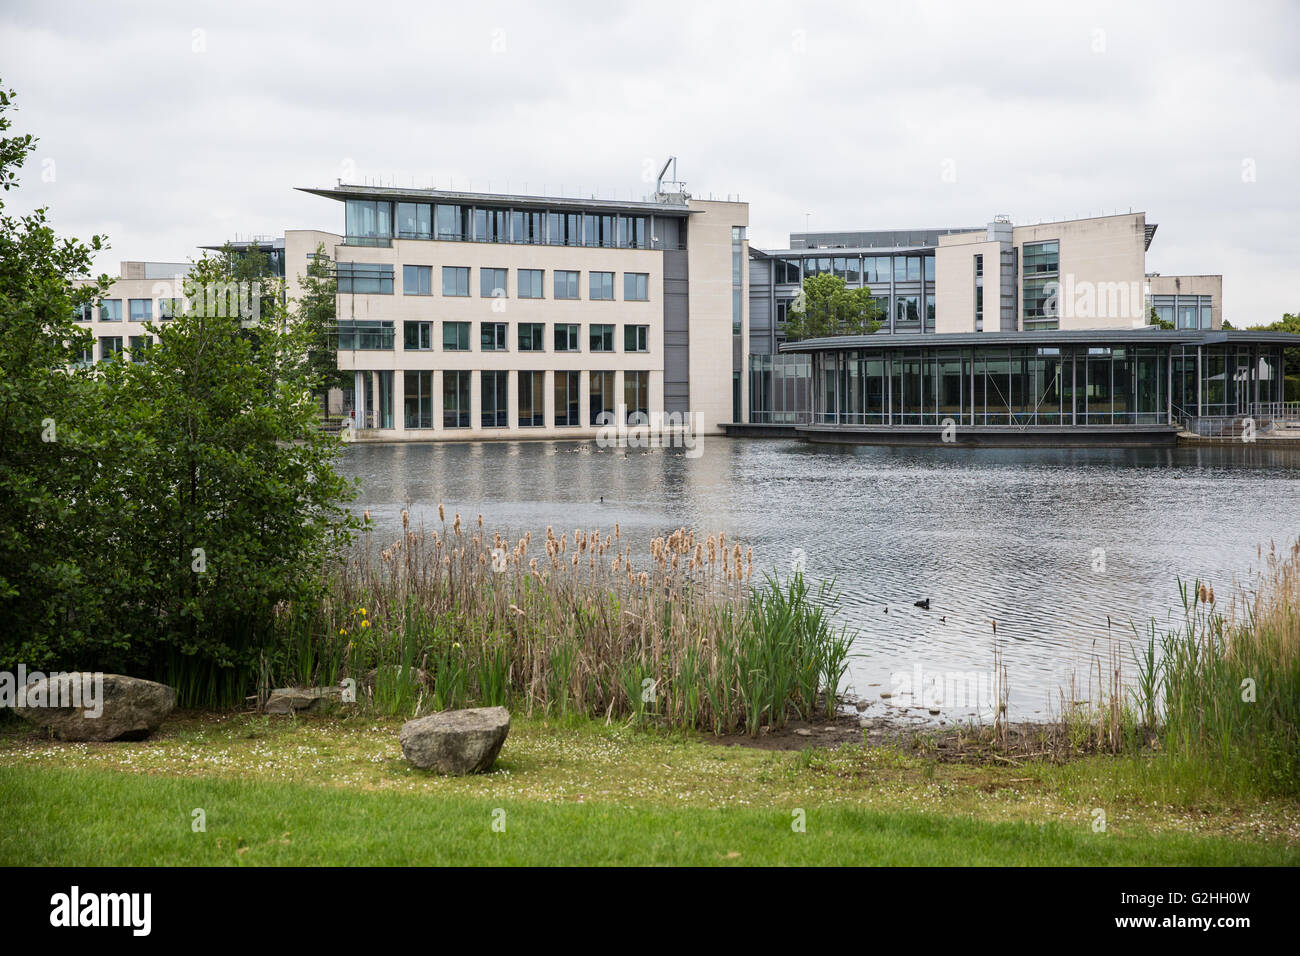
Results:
[371, 222]
[855, 269]
[494, 402]
[377, 279]
[139, 310]
[418, 336]
[905, 311]
[110, 347]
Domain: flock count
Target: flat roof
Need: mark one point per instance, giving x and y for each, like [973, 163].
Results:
[400, 194]
[1143, 336]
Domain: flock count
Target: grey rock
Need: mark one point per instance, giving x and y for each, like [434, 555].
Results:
[456, 741]
[130, 708]
[803, 732]
[289, 700]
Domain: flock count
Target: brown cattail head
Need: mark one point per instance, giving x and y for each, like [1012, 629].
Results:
[442, 515]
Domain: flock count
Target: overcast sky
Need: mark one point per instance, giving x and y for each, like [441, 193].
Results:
[170, 125]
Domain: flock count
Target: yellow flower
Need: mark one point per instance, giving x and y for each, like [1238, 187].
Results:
[365, 623]
[343, 630]
[455, 645]
[361, 611]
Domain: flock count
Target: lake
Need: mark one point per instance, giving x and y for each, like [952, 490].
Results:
[1047, 542]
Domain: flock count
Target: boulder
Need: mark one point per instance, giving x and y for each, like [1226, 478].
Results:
[456, 741]
[119, 708]
[289, 700]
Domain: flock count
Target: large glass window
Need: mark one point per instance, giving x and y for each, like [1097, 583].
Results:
[788, 270]
[492, 337]
[110, 347]
[417, 336]
[494, 400]
[600, 399]
[417, 280]
[602, 285]
[532, 399]
[1042, 258]
[490, 225]
[566, 337]
[139, 345]
[907, 312]
[636, 286]
[417, 404]
[601, 338]
[636, 338]
[532, 336]
[141, 310]
[414, 220]
[455, 336]
[365, 278]
[876, 269]
[365, 335]
[530, 283]
[455, 280]
[566, 398]
[451, 222]
[455, 399]
[369, 222]
[636, 396]
[110, 310]
[1040, 306]
[492, 283]
[566, 284]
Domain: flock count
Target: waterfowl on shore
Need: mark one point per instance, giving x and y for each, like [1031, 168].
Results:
[924, 605]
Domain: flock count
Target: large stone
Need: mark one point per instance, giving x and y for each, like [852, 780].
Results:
[289, 700]
[122, 708]
[456, 741]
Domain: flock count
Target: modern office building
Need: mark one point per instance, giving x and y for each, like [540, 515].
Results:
[1038, 329]
[143, 292]
[476, 316]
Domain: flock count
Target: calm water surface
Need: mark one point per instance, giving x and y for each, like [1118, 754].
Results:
[1010, 536]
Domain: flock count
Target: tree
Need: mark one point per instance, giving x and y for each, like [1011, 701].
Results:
[827, 306]
[227, 500]
[47, 598]
[317, 312]
[1153, 318]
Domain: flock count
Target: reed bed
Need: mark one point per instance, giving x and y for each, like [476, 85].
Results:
[573, 622]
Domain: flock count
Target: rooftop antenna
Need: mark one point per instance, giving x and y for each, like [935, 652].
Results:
[660, 182]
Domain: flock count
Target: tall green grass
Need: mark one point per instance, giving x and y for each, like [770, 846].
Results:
[684, 640]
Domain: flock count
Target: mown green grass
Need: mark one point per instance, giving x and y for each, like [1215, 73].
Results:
[99, 817]
[335, 789]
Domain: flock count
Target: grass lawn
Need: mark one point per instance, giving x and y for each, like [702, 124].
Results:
[336, 791]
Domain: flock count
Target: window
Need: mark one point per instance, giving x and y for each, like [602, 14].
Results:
[139, 345]
[489, 225]
[418, 404]
[566, 398]
[369, 223]
[636, 286]
[170, 308]
[85, 312]
[141, 310]
[110, 347]
[979, 308]
[602, 285]
[1187, 313]
[525, 226]
[492, 337]
[979, 266]
[365, 335]
[636, 338]
[86, 356]
[566, 338]
[455, 280]
[532, 399]
[600, 399]
[417, 280]
[455, 399]
[417, 336]
[1042, 258]
[929, 268]
[601, 338]
[451, 222]
[365, 278]
[929, 312]
[455, 336]
[566, 284]
[494, 407]
[110, 310]
[492, 283]
[532, 336]
[1207, 314]
[876, 269]
[636, 396]
[907, 312]
[530, 283]
[414, 220]
[788, 270]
